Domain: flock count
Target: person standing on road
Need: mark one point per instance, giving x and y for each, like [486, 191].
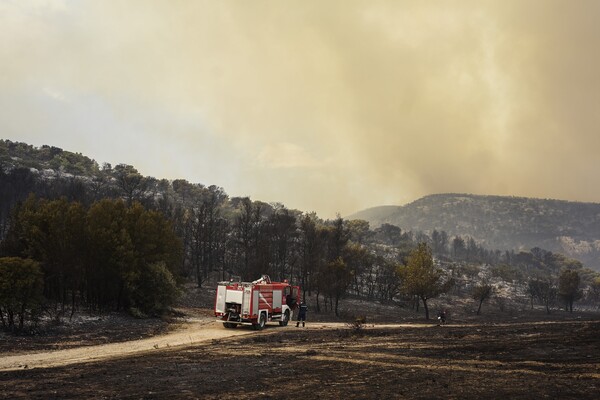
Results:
[442, 317]
[302, 314]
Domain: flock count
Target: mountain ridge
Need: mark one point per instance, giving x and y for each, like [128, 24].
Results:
[501, 222]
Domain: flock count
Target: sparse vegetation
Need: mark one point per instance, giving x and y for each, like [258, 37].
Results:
[357, 324]
[568, 288]
[116, 215]
[521, 359]
[21, 288]
[509, 273]
[501, 222]
[481, 293]
[421, 278]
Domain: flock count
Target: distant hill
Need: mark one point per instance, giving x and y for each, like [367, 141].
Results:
[501, 222]
[496, 222]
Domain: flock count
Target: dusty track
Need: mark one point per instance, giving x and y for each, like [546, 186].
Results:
[190, 333]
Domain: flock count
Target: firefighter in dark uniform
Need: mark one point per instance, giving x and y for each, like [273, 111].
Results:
[302, 314]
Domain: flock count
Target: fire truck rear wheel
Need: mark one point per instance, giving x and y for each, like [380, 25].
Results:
[262, 321]
[286, 318]
[229, 325]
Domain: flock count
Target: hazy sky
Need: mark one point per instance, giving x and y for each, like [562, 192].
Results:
[326, 106]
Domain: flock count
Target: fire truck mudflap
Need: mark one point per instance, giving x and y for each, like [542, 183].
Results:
[255, 303]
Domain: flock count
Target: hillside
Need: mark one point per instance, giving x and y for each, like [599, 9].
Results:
[501, 222]
[495, 222]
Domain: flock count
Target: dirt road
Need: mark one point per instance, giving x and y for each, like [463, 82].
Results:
[192, 332]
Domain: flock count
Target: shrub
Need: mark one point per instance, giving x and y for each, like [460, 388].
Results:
[21, 291]
[507, 273]
[358, 323]
[154, 289]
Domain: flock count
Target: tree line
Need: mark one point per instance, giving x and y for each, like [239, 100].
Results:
[208, 235]
[108, 256]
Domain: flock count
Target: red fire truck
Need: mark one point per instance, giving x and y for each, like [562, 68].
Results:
[255, 303]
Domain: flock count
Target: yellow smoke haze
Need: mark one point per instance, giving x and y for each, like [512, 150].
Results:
[331, 106]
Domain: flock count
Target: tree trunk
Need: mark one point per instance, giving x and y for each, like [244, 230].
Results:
[120, 296]
[426, 308]
[11, 320]
[318, 305]
[72, 305]
[22, 317]
[479, 308]
[64, 298]
[198, 272]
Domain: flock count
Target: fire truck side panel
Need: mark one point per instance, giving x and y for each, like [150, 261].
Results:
[266, 298]
[277, 296]
[247, 303]
[255, 303]
[234, 296]
[220, 299]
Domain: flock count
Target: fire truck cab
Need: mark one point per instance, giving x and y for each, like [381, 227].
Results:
[255, 303]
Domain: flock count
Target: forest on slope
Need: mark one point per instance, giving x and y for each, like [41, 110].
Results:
[112, 256]
[513, 223]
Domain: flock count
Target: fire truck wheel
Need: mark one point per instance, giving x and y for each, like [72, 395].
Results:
[262, 321]
[229, 325]
[286, 318]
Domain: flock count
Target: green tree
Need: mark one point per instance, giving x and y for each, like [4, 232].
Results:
[595, 290]
[284, 235]
[310, 251]
[244, 227]
[152, 238]
[358, 259]
[544, 291]
[21, 287]
[52, 232]
[568, 288]
[154, 289]
[421, 278]
[359, 231]
[335, 280]
[481, 293]
[459, 248]
[130, 181]
[111, 254]
[387, 278]
[388, 234]
[124, 242]
[337, 238]
[439, 242]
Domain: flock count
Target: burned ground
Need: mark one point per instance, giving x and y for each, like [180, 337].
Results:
[515, 353]
[84, 331]
[512, 359]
